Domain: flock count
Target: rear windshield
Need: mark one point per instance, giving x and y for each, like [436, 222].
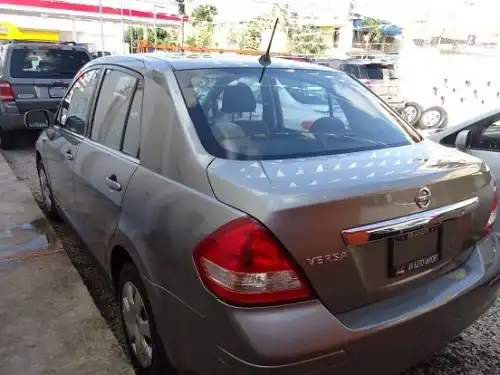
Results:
[288, 114]
[47, 62]
[380, 71]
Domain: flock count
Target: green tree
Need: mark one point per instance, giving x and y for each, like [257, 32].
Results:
[372, 31]
[308, 39]
[202, 14]
[202, 19]
[134, 35]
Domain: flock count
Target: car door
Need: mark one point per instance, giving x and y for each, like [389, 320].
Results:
[63, 139]
[485, 145]
[108, 157]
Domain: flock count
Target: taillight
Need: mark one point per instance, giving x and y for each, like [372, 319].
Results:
[366, 82]
[241, 263]
[307, 124]
[493, 211]
[6, 93]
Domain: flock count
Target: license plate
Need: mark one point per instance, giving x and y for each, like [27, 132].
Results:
[57, 92]
[414, 251]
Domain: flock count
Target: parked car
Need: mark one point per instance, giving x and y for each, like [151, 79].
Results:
[478, 136]
[239, 244]
[33, 76]
[379, 76]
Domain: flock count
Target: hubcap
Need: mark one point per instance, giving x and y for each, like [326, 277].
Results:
[137, 324]
[409, 113]
[431, 118]
[45, 190]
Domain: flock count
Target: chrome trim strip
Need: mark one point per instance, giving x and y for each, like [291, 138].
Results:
[399, 226]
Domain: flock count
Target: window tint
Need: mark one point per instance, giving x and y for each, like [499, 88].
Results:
[380, 71]
[76, 104]
[302, 105]
[290, 113]
[487, 136]
[132, 139]
[47, 62]
[113, 102]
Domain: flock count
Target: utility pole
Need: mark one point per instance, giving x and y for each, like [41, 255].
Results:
[181, 10]
[102, 26]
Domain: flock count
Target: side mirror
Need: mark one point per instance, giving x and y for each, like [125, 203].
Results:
[463, 140]
[38, 119]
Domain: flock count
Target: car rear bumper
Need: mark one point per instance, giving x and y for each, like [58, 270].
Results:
[385, 337]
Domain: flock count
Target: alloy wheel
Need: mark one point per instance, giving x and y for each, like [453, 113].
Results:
[137, 324]
[409, 113]
[431, 119]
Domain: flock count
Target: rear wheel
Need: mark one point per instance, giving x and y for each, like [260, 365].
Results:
[48, 202]
[144, 344]
[412, 113]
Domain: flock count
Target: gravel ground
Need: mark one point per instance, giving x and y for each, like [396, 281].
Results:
[475, 352]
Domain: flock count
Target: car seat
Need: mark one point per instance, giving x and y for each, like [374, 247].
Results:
[239, 98]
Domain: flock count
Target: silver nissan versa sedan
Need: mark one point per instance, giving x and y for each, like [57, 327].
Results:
[243, 238]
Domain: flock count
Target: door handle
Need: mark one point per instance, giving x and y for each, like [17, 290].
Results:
[68, 155]
[112, 183]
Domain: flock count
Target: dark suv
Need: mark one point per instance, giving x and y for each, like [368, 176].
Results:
[34, 76]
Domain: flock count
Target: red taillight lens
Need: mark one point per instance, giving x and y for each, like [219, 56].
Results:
[366, 82]
[307, 124]
[242, 264]
[6, 93]
[493, 211]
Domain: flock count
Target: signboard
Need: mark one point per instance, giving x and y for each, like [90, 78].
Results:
[3, 29]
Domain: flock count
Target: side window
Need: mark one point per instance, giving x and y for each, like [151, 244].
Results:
[115, 97]
[132, 138]
[75, 105]
[487, 136]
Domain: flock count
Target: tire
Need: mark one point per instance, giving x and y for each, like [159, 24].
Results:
[433, 118]
[154, 360]
[8, 140]
[412, 113]
[49, 205]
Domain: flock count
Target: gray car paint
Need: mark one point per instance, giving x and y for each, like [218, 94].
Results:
[178, 193]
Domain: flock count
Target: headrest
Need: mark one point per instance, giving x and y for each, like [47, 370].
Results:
[238, 99]
[328, 125]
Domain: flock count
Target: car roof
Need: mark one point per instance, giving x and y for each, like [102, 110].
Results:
[19, 45]
[366, 62]
[180, 62]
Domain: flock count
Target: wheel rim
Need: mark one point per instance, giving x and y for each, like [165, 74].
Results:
[137, 324]
[45, 190]
[431, 119]
[409, 113]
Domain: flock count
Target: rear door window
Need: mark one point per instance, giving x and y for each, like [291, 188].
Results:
[47, 62]
[115, 97]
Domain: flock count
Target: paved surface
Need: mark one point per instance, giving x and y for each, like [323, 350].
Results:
[49, 324]
[475, 352]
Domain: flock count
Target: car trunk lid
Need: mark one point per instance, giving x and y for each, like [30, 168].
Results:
[322, 209]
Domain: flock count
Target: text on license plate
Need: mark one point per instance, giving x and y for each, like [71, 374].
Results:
[414, 251]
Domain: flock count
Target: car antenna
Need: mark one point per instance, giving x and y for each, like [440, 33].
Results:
[265, 59]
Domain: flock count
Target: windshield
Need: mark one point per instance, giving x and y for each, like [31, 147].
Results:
[47, 62]
[289, 114]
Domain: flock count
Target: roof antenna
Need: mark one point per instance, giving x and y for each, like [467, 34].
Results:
[265, 59]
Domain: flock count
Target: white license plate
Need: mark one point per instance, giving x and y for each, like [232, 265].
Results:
[57, 92]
